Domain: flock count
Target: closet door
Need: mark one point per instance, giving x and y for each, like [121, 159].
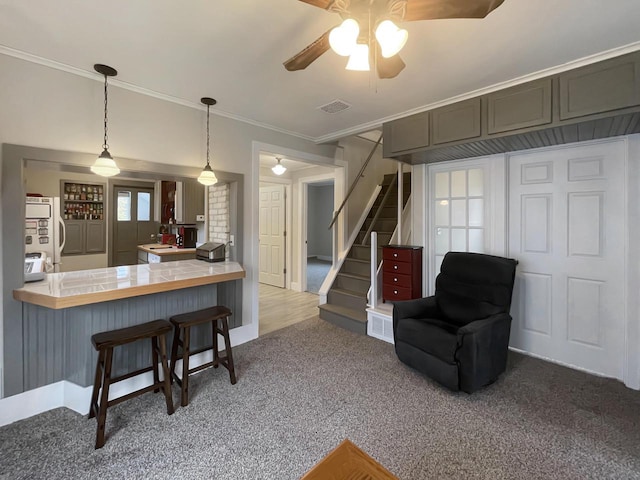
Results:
[566, 228]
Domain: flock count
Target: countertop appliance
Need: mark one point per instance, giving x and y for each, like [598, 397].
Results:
[211, 252]
[35, 265]
[44, 230]
[167, 238]
[187, 237]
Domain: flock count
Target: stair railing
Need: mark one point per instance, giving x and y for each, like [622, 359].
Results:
[355, 181]
[383, 203]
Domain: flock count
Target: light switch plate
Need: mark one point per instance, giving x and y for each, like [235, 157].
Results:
[199, 218]
[232, 241]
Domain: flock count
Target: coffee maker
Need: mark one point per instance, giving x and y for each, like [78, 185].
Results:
[187, 237]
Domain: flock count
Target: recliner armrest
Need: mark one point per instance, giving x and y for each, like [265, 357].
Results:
[417, 308]
[482, 351]
[486, 323]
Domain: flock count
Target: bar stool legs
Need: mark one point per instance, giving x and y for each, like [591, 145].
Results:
[182, 341]
[104, 343]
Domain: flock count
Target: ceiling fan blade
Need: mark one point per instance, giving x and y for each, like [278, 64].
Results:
[440, 9]
[319, 3]
[304, 58]
[388, 67]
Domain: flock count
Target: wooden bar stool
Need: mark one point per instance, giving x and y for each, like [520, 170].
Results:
[104, 343]
[182, 337]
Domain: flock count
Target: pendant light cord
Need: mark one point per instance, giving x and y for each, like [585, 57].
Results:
[208, 137]
[105, 145]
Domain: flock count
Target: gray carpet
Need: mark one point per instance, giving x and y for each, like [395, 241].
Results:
[303, 389]
[316, 273]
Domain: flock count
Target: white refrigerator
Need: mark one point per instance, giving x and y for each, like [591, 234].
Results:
[44, 230]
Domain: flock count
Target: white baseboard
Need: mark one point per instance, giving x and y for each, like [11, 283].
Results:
[295, 286]
[77, 398]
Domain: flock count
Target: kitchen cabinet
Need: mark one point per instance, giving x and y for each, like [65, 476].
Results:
[401, 272]
[83, 211]
[182, 201]
[192, 201]
[84, 237]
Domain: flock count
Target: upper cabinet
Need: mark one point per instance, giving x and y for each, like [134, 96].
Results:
[458, 121]
[181, 202]
[602, 87]
[596, 101]
[526, 105]
[404, 134]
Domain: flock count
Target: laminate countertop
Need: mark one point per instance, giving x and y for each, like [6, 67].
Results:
[160, 249]
[84, 287]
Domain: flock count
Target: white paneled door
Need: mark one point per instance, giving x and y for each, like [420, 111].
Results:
[272, 235]
[566, 228]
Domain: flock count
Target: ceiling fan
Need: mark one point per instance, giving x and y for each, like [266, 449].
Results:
[366, 20]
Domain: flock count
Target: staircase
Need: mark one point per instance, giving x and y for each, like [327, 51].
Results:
[347, 298]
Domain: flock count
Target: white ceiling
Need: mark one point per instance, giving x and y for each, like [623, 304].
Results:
[233, 51]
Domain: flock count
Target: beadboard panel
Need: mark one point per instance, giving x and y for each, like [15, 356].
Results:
[57, 343]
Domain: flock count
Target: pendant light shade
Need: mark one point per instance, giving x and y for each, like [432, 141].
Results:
[278, 168]
[104, 165]
[207, 177]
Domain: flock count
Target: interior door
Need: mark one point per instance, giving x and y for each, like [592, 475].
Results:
[566, 228]
[460, 211]
[272, 235]
[132, 222]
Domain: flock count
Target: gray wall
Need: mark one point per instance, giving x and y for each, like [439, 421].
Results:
[320, 213]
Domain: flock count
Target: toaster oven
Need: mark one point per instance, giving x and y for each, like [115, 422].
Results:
[211, 252]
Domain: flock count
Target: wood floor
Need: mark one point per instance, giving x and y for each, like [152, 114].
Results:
[279, 307]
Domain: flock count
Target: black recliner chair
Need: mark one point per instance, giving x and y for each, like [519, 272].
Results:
[459, 337]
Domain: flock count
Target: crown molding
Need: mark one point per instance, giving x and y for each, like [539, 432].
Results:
[115, 82]
[337, 135]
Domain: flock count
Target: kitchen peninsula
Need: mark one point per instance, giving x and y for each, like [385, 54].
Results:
[61, 312]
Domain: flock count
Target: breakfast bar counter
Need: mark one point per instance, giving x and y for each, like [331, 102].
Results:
[84, 287]
[62, 312]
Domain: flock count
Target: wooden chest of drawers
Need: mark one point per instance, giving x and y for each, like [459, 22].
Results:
[401, 272]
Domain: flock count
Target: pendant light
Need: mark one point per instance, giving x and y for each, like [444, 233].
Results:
[104, 164]
[207, 177]
[278, 168]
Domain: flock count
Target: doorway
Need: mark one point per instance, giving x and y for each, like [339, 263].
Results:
[320, 208]
[132, 221]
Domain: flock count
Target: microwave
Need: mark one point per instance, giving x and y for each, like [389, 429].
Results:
[211, 252]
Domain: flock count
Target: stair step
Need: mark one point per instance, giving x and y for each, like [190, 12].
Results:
[347, 298]
[354, 265]
[347, 318]
[383, 237]
[353, 282]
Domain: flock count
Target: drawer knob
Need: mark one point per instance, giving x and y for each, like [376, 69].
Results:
[395, 292]
[395, 267]
[395, 279]
[395, 255]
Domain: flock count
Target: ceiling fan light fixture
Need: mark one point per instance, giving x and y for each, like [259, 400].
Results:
[359, 58]
[278, 168]
[391, 38]
[343, 38]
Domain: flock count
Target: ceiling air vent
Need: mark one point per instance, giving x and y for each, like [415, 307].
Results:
[335, 106]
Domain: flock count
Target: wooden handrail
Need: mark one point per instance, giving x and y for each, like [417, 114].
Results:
[379, 210]
[353, 185]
